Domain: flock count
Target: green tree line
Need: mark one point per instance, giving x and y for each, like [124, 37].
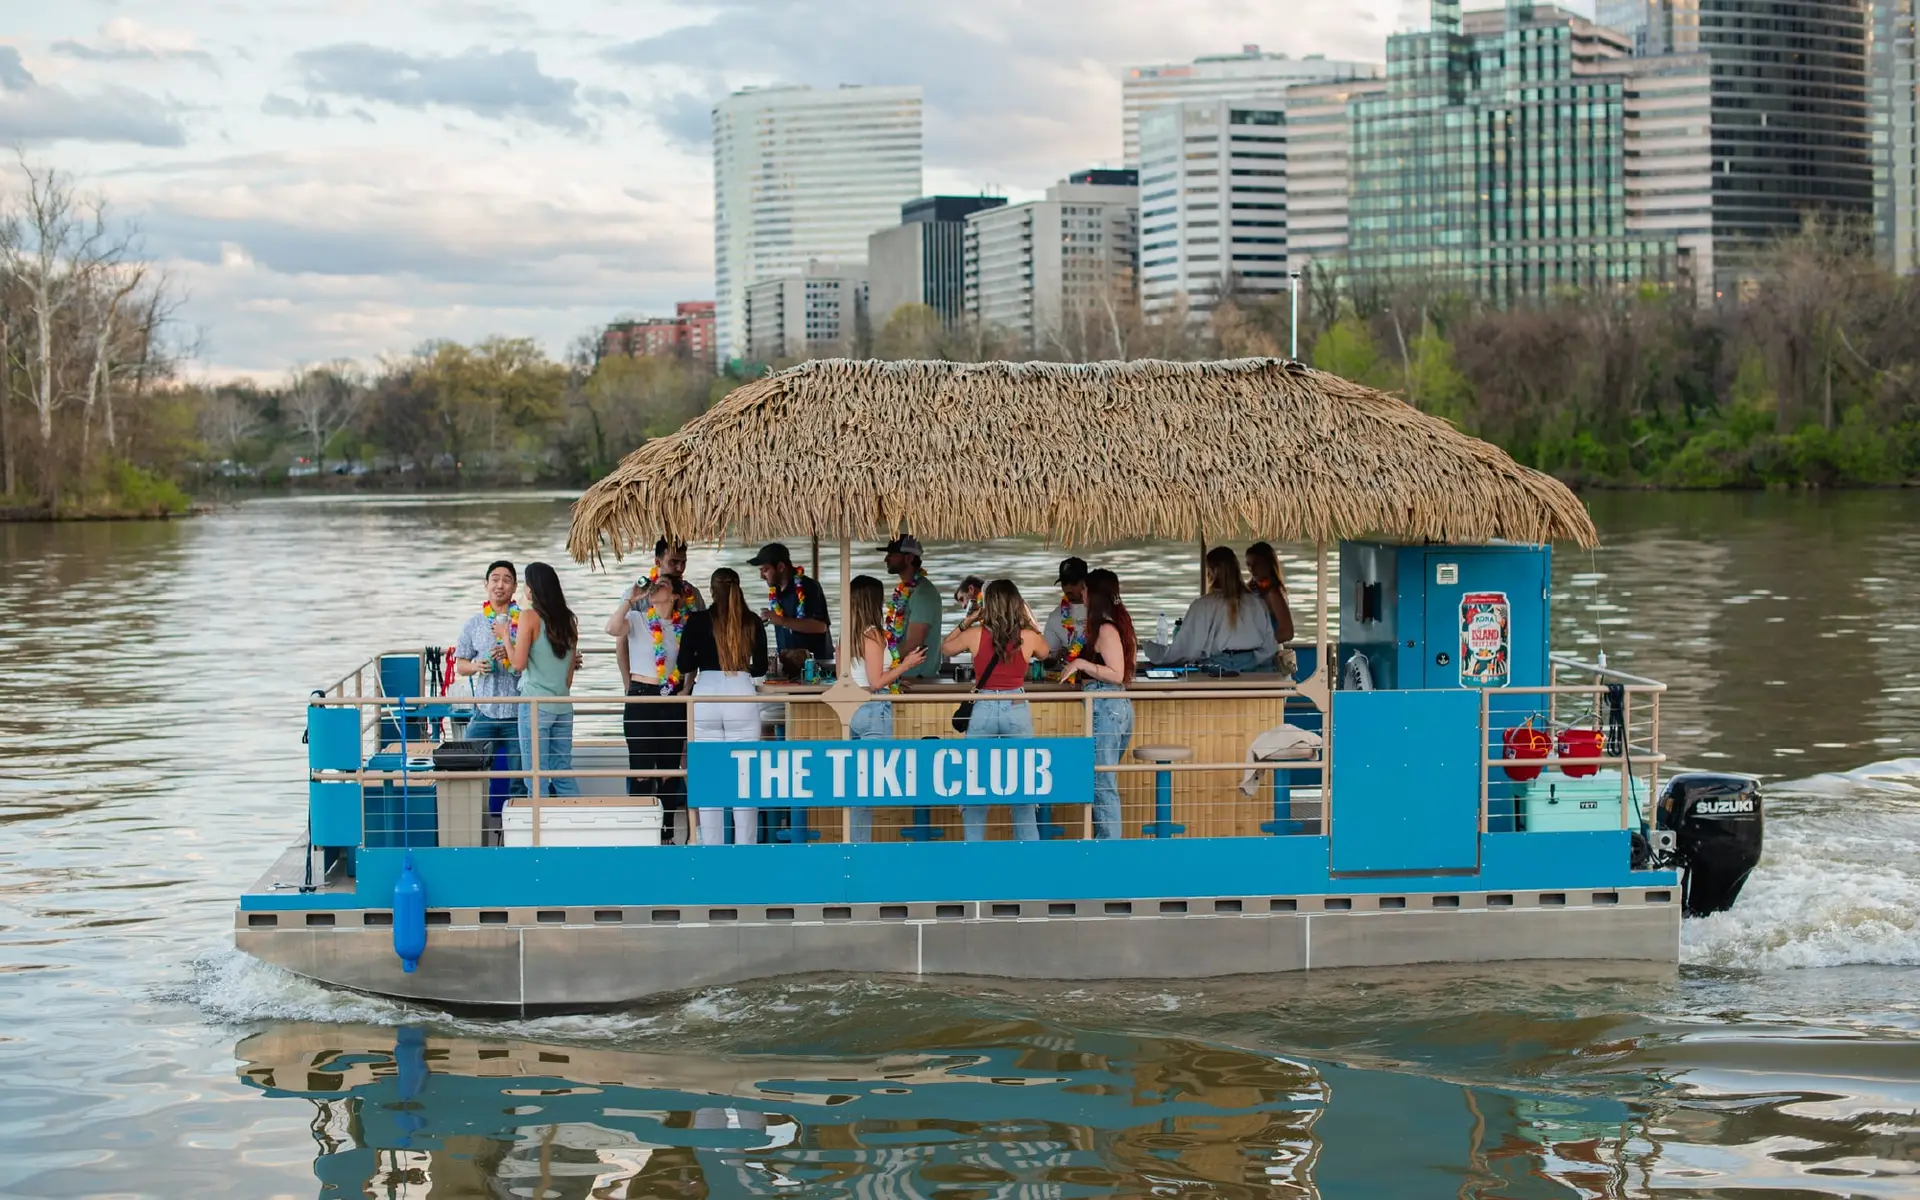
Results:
[1808, 375]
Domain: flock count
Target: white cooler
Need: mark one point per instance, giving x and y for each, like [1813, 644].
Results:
[586, 821]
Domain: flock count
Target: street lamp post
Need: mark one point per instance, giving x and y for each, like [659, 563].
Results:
[1293, 325]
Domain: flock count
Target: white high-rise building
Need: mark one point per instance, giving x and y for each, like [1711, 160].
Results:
[1033, 268]
[1318, 171]
[803, 176]
[1213, 202]
[1894, 90]
[1248, 75]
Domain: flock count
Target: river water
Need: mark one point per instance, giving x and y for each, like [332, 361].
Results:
[150, 767]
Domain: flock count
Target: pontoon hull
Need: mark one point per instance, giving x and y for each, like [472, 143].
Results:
[583, 957]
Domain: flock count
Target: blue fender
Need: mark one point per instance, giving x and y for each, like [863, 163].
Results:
[409, 917]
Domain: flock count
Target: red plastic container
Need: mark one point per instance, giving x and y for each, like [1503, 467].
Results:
[1580, 743]
[1524, 741]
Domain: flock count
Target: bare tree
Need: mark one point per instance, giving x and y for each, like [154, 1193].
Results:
[321, 401]
[62, 249]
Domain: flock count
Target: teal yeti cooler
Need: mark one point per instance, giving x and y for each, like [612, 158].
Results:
[1553, 803]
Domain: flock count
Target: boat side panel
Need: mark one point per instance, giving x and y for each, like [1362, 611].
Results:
[592, 964]
[556, 876]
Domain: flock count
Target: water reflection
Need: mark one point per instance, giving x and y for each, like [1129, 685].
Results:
[1015, 1109]
[1029, 1108]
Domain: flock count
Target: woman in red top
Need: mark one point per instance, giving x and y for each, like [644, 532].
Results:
[1001, 644]
[1106, 665]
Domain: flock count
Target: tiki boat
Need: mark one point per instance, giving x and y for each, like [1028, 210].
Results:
[1433, 784]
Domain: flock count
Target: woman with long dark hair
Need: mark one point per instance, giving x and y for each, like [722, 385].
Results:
[1005, 640]
[872, 666]
[1228, 628]
[545, 651]
[1106, 665]
[725, 647]
[1265, 581]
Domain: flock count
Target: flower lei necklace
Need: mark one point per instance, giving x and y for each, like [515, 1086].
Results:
[896, 615]
[669, 680]
[799, 595]
[513, 621]
[1076, 641]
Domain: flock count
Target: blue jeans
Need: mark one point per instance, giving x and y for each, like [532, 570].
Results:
[1242, 661]
[1112, 730]
[874, 719]
[556, 745]
[497, 732]
[1000, 718]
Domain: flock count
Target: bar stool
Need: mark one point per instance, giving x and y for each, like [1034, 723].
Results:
[1162, 825]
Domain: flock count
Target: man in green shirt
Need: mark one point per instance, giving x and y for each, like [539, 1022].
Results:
[913, 608]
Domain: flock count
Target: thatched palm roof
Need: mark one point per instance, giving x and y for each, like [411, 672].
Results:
[1076, 453]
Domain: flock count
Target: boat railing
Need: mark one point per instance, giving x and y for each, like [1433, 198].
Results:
[1600, 728]
[1214, 788]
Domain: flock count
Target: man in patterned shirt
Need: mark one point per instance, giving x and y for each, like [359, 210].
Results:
[480, 655]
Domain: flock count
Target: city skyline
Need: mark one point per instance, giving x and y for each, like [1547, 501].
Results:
[350, 180]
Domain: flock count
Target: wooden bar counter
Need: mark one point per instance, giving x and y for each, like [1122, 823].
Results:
[1199, 713]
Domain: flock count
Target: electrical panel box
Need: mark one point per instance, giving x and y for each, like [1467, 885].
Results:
[1434, 616]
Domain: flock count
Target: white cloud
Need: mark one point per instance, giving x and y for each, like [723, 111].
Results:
[537, 169]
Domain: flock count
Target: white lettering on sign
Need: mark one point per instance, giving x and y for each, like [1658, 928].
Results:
[1003, 771]
[976, 773]
[886, 773]
[1039, 771]
[774, 765]
[1724, 808]
[943, 761]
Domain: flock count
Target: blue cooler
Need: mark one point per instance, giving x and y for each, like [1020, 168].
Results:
[1554, 803]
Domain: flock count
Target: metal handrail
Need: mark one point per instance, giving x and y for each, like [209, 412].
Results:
[1610, 673]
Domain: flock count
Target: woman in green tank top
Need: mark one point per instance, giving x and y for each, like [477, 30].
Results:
[545, 649]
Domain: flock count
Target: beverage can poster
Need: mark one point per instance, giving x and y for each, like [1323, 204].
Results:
[1485, 645]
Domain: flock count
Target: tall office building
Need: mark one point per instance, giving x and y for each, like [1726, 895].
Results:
[1318, 171]
[1213, 202]
[1790, 116]
[1797, 113]
[1653, 27]
[802, 176]
[1033, 268]
[1896, 135]
[922, 260]
[816, 312]
[1669, 161]
[1496, 156]
[1247, 76]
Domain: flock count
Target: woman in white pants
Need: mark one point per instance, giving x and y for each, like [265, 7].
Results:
[725, 648]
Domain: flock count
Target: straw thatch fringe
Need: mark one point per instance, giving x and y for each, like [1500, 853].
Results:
[1080, 454]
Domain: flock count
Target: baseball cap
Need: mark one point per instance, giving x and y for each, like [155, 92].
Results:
[906, 543]
[1072, 570]
[772, 552]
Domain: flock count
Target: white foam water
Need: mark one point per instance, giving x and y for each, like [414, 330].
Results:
[1837, 885]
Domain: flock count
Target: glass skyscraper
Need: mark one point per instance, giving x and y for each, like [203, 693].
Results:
[1496, 158]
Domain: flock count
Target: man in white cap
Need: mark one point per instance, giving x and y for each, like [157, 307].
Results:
[912, 618]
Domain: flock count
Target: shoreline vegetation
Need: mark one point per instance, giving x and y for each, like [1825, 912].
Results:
[1807, 377]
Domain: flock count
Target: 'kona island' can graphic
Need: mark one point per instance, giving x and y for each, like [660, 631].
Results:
[1484, 644]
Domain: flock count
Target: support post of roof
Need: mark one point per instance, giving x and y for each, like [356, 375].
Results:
[816, 556]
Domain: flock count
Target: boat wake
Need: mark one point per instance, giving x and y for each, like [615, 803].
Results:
[1837, 885]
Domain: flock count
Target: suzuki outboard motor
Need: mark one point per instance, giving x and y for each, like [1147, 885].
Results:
[1716, 822]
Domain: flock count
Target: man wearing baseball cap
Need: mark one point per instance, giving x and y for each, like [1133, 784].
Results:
[912, 616]
[796, 603]
[1066, 630]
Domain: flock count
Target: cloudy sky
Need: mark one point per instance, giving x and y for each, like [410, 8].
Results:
[351, 178]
